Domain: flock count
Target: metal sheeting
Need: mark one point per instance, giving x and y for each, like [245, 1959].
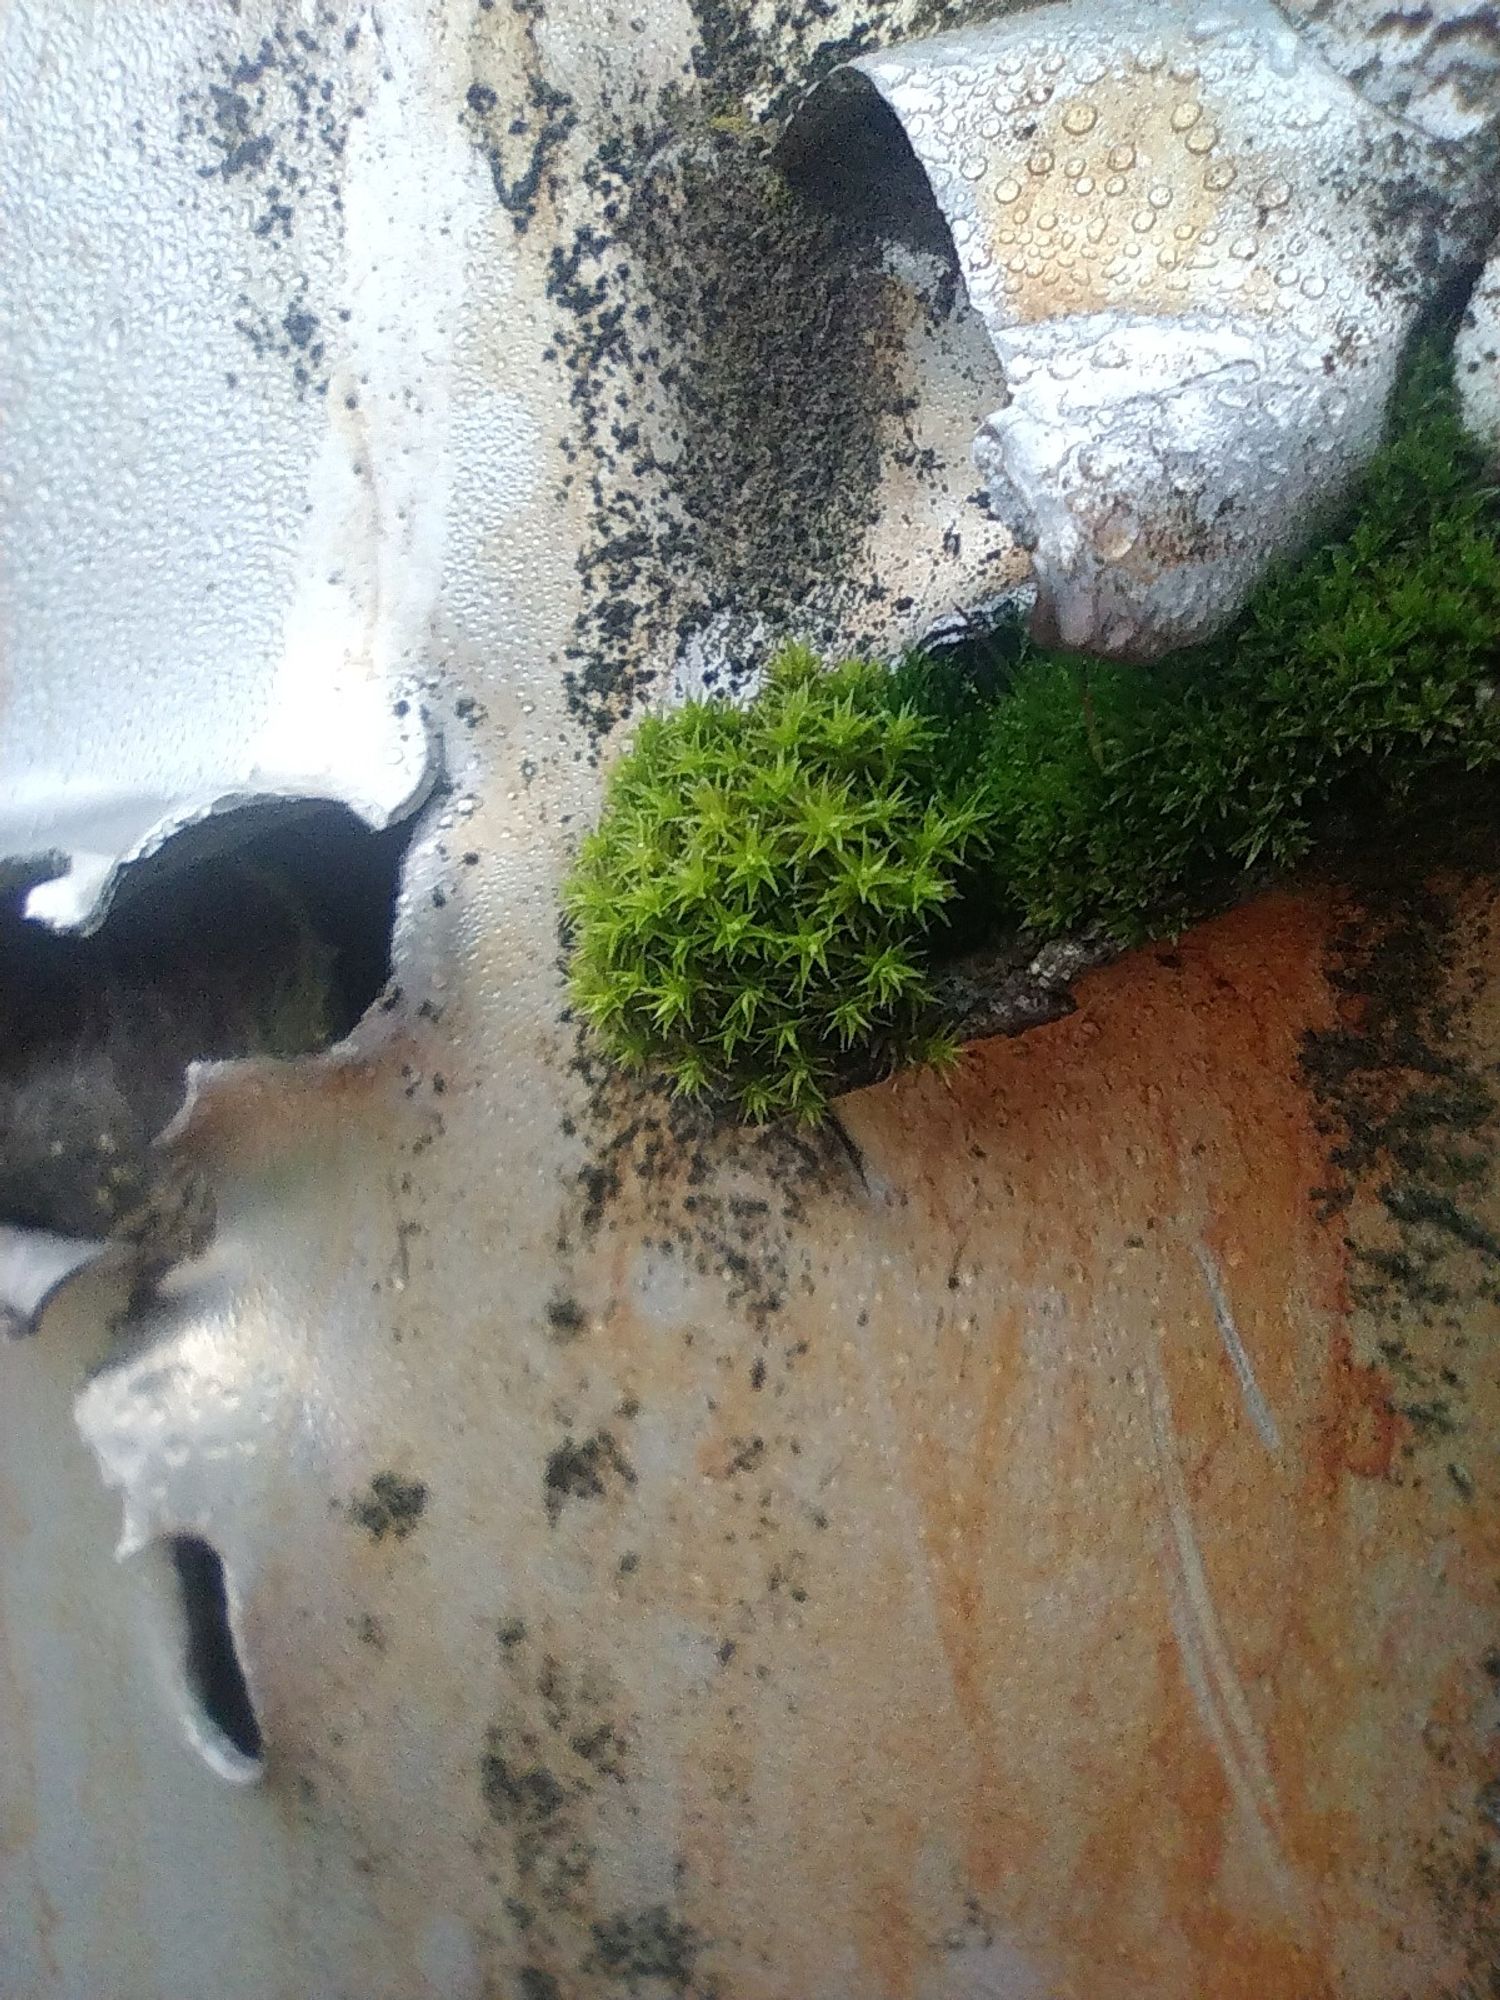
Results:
[989, 1550]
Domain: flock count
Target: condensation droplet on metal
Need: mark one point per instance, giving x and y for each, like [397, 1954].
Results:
[1080, 118]
[1273, 194]
[1122, 158]
[973, 166]
[1202, 139]
[1041, 163]
[1220, 176]
[1186, 116]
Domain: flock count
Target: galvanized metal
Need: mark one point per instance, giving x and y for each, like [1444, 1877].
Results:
[1199, 253]
[1025, 1542]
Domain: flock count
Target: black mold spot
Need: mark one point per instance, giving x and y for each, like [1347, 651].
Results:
[582, 1471]
[648, 1944]
[566, 1318]
[393, 1506]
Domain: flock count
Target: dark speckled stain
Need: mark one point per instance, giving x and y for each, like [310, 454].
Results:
[584, 1470]
[520, 133]
[273, 120]
[1414, 1116]
[393, 1506]
[732, 381]
[555, 1753]
[651, 1943]
[682, 1171]
[1415, 1121]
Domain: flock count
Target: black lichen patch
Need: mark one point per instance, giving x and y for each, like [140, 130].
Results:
[693, 1181]
[393, 1506]
[520, 133]
[649, 1944]
[566, 1318]
[733, 382]
[584, 1470]
[556, 1751]
[1413, 1115]
[534, 1982]
[777, 56]
[272, 118]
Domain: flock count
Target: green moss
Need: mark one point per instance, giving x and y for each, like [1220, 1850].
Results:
[770, 888]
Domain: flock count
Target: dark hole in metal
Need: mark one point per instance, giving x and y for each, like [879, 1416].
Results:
[214, 1674]
[847, 149]
[265, 931]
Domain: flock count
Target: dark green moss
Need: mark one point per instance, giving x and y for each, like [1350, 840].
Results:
[772, 887]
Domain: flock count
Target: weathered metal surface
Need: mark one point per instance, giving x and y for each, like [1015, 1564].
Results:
[1199, 253]
[1435, 64]
[1052, 1555]
[1014, 1545]
[1477, 357]
[200, 613]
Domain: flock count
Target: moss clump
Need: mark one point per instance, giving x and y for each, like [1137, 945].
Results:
[770, 887]
[756, 899]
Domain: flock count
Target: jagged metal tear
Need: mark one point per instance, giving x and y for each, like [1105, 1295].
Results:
[200, 615]
[1198, 253]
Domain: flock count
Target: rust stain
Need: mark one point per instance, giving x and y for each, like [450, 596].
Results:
[993, 1611]
[1359, 1429]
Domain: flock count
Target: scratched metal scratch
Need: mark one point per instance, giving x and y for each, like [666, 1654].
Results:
[1206, 1660]
[1260, 1412]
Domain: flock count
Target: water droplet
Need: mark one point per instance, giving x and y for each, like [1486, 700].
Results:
[1084, 184]
[1149, 61]
[1008, 191]
[1080, 118]
[1074, 167]
[1052, 64]
[1160, 196]
[1122, 158]
[1202, 139]
[1273, 194]
[1143, 219]
[1047, 220]
[1314, 287]
[1040, 163]
[972, 166]
[990, 127]
[1186, 116]
[1114, 185]
[1039, 93]
[1243, 247]
[1184, 232]
[1219, 176]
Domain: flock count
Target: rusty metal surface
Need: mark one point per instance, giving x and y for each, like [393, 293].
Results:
[1036, 1540]
[1054, 1557]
